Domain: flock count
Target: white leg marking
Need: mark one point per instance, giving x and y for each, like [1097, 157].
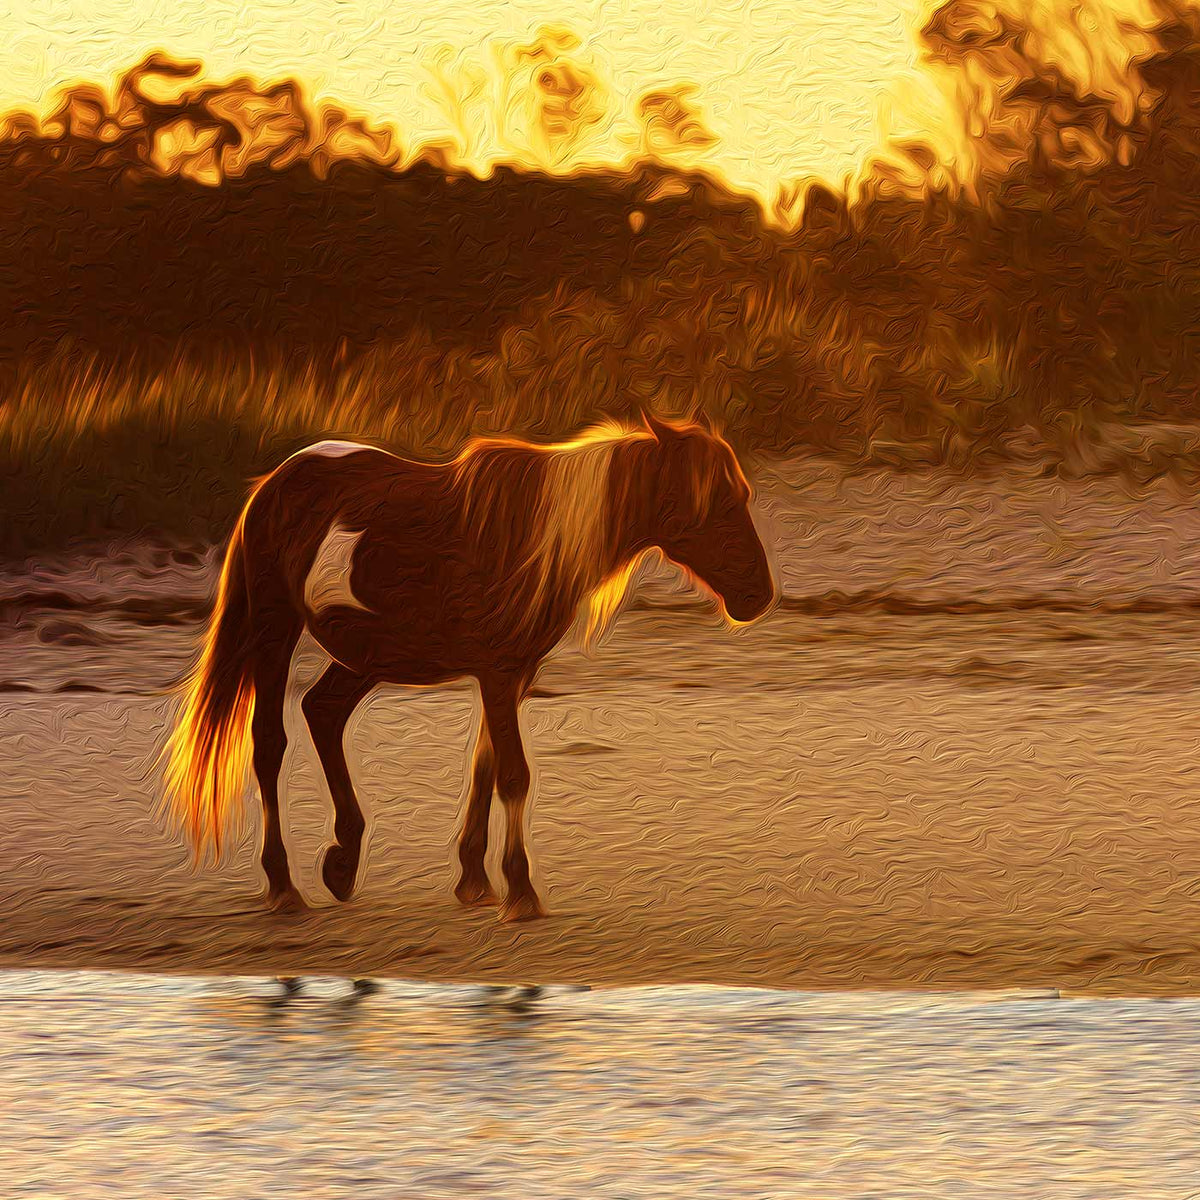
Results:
[328, 582]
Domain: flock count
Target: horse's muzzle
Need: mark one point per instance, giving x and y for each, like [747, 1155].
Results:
[745, 607]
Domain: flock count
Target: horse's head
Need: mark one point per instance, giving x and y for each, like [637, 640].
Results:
[702, 518]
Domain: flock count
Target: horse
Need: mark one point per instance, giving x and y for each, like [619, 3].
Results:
[415, 573]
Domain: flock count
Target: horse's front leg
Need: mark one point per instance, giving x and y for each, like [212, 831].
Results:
[501, 701]
[474, 889]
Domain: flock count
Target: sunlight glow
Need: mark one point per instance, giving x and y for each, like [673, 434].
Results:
[778, 90]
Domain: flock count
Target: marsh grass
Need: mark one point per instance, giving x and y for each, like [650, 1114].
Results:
[89, 454]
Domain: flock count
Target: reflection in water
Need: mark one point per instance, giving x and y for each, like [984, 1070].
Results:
[141, 1086]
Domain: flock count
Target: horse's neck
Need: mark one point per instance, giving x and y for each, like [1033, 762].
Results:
[631, 527]
[582, 557]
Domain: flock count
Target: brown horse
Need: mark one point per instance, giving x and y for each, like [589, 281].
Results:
[414, 573]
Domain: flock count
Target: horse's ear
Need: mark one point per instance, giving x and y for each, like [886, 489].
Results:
[660, 429]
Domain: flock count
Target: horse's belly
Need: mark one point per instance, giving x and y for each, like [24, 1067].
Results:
[387, 649]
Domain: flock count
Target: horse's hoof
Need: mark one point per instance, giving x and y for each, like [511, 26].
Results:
[287, 900]
[472, 894]
[523, 908]
[339, 871]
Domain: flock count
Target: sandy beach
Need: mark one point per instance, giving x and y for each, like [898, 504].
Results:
[963, 753]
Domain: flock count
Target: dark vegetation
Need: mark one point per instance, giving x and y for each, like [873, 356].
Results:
[166, 335]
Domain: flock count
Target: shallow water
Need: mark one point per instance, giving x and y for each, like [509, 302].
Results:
[130, 1086]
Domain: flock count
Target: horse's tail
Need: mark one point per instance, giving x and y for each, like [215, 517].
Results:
[209, 752]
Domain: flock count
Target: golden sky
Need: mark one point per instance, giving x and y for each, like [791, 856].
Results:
[790, 87]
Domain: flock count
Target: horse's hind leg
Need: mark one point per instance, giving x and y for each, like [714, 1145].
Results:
[273, 660]
[474, 889]
[327, 707]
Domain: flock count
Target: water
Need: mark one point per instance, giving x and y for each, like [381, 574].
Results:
[130, 1086]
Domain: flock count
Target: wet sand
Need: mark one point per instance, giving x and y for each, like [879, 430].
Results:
[963, 754]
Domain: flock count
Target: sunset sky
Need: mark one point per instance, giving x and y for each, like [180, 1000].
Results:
[789, 88]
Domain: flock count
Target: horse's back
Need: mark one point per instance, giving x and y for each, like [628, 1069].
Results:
[333, 473]
[332, 485]
[352, 536]
[336, 449]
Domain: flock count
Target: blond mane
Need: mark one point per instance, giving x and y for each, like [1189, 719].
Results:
[570, 515]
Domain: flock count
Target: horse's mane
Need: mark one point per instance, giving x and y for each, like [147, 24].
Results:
[542, 510]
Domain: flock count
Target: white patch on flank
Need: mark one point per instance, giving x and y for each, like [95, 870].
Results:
[328, 582]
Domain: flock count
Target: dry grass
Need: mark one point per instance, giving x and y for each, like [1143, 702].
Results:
[88, 454]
